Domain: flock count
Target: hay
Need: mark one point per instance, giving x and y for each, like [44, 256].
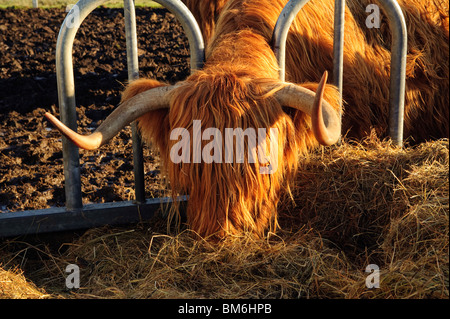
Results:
[13, 285]
[353, 205]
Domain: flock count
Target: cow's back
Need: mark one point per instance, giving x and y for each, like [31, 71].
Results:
[366, 56]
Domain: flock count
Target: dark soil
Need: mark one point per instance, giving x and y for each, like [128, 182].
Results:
[31, 167]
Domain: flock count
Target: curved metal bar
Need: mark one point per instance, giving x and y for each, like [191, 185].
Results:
[190, 26]
[398, 57]
[131, 39]
[66, 97]
[281, 31]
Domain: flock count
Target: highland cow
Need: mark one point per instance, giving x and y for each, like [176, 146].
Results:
[238, 87]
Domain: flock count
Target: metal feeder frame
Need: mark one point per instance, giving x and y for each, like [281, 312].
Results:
[398, 54]
[76, 216]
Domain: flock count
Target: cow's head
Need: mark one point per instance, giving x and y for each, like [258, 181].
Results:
[230, 145]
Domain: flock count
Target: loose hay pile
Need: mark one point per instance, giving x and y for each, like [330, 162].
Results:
[13, 285]
[354, 205]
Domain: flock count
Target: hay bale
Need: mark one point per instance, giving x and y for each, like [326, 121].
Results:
[381, 205]
[351, 193]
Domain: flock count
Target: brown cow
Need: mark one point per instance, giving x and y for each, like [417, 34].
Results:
[238, 88]
[366, 57]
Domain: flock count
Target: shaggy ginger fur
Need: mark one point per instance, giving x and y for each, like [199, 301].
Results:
[230, 198]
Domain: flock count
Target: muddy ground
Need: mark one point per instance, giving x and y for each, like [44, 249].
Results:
[31, 169]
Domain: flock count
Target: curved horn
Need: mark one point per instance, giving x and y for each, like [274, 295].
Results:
[326, 123]
[124, 114]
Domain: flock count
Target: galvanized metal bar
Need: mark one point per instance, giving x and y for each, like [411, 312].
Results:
[398, 57]
[59, 219]
[133, 74]
[138, 164]
[191, 28]
[66, 97]
[338, 45]
[281, 31]
[398, 69]
[131, 39]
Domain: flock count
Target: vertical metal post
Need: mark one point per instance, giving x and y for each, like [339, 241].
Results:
[398, 69]
[35, 3]
[131, 39]
[133, 74]
[338, 50]
[338, 45]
